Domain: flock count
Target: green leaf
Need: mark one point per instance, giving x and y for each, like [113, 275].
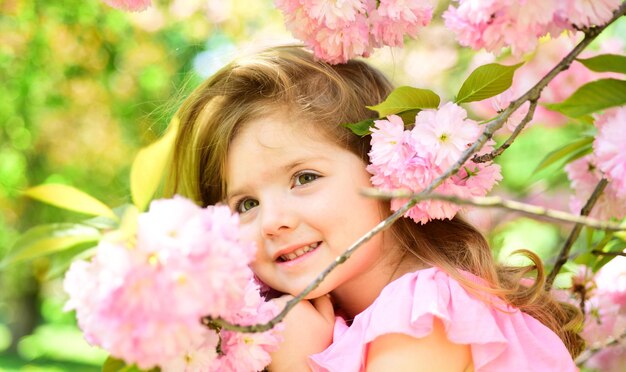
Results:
[362, 128]
[46, 239]
[406, 98]
[408, 117]
[70, 198]
[605, 63]
[149, 166]
[591, 97]
[486, 81]
[117, 365]
[61, 261]
[571, 149]
[113, 365]
[614, 246]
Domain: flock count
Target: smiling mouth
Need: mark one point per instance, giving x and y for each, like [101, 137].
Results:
[298, 252]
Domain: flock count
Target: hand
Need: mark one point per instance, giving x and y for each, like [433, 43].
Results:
[308, 330]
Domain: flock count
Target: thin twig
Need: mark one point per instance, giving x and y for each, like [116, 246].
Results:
[562, 258]
[602, 253]
[584, 358]
[518, 129]
[496, 202]
[496, 124]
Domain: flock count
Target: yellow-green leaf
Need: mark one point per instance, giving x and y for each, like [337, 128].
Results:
[406, 98]
[149, 166]
[581, 146]
[361, 128]
[591, 97]
[46, 239]
[113, 365]
[70, 198]
[486, 81]
[605, 63]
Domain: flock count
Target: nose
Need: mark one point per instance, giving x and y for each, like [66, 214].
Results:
[277, 217]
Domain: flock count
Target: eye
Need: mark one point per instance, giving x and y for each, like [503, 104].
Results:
[303, 178]
[245, 205]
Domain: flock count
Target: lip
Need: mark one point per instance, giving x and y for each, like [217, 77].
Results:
[293, 248]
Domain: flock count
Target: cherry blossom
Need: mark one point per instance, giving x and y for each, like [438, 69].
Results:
[424, 152]
[584, 175]
[142, 298]
[585, 13]
[337, 30]
[609, 148]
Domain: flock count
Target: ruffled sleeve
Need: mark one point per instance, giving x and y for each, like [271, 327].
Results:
[501, 337]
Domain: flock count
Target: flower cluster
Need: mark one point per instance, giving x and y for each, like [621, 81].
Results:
[584, 175]
[608, 160]
[495, 24]
[412, 159]
[142, 298]
[609, 148]
[605, 313]
[337, 30]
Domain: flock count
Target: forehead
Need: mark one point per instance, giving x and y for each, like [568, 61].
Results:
[280, 135]
[267, 144]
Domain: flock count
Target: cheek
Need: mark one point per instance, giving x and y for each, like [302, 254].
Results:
[248, 233]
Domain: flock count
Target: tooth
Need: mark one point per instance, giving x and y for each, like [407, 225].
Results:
[299, 252]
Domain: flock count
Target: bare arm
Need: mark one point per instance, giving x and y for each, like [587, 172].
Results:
[398, 352]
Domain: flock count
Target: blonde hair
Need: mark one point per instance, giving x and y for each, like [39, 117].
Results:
[290, 80]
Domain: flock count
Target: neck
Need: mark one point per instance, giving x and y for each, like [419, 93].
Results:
[360, 292]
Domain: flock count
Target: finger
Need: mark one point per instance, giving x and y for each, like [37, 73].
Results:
[324, 306]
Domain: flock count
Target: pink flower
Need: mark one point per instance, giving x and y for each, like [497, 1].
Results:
[200, 356]
[445, 133]
[605, 315]
[334, 13]
[585, 13]
[142, 299]
[611, 280]
[337, 30]
[506, 23]
[396, 18]
[388, 141]
[250, 351]
[584, 176]
[609, 148]
[129, 5]
[339, 45]
[412, 159]
[610, 359]
[502, 101]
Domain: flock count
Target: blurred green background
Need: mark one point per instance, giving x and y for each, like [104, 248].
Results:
[84, 86]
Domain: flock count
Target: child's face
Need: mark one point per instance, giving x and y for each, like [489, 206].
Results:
[298, 196]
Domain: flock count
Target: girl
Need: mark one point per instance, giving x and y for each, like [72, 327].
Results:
[264, 136]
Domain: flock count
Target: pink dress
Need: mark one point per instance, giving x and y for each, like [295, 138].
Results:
[503, 339]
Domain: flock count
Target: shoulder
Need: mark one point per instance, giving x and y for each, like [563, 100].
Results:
[428, 320]
[434, 352]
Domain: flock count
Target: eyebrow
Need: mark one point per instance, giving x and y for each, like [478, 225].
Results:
[285, 168]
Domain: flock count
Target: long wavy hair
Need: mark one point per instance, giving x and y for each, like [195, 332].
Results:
[290, 79]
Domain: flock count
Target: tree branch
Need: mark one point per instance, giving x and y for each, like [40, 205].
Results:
[562, 258]
[494, 201]
[532, 94]
[518, 129]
